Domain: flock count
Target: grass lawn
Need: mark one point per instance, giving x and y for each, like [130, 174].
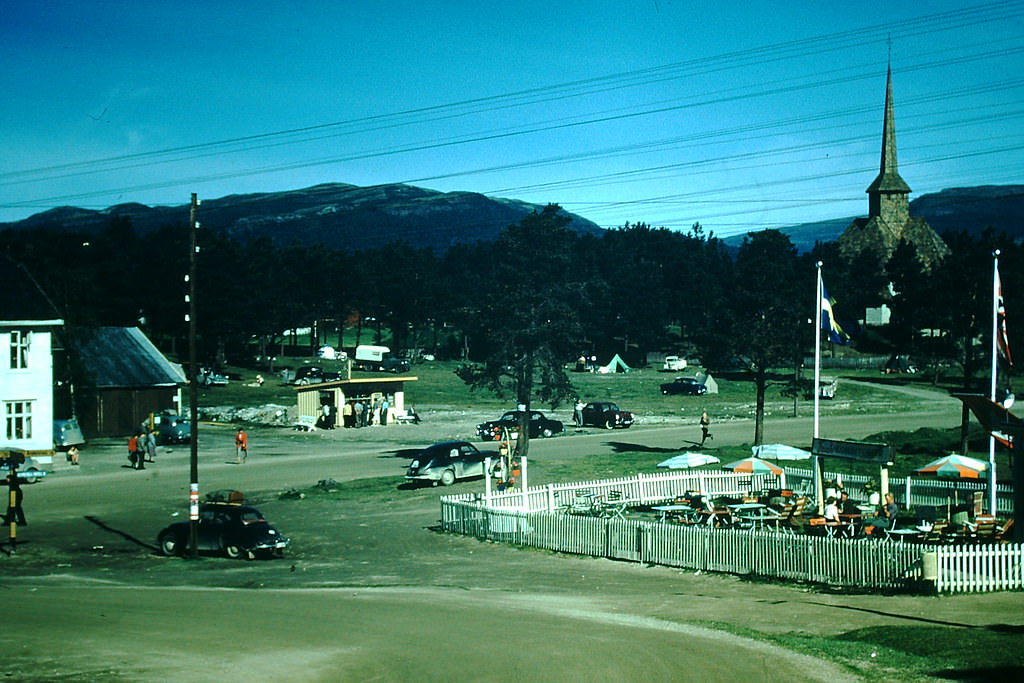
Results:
[638, 391]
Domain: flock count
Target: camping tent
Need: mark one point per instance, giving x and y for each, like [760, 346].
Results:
[616, 364]
[708, 381]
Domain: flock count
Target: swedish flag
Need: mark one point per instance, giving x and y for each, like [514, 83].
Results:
[828, 319]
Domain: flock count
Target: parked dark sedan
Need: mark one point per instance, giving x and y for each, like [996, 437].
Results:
[170, 429]
[606, 414]
[540, 425]
[228, 528]
[685, 386]
[444, 463]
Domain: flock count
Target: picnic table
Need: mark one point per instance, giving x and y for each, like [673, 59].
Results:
[685, 511]
[754, 515]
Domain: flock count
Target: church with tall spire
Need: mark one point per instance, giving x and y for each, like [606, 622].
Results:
[889, 220]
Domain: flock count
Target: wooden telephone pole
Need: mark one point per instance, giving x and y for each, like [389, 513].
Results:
[193, 386]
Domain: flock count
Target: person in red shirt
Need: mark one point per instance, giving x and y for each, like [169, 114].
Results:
[241, 446]
[134, 456]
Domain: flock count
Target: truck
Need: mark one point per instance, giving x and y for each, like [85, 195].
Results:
[673, 364]
[379, 358]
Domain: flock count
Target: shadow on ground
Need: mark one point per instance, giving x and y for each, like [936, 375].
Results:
[623, 447]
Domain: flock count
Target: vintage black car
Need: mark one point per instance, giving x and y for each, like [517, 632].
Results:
[685, 386]
[606, 414]
[444, 463]
[312, 374]
[540, 425]
[226, 528]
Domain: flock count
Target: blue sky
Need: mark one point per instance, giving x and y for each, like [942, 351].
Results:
[735, 115]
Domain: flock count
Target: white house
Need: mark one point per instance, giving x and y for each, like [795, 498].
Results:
[27, 321]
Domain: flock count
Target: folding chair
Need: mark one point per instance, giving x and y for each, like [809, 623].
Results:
[614, 505]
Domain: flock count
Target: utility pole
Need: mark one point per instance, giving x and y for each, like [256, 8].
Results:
[193, 385]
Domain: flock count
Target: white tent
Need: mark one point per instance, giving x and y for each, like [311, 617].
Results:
[708, 381]
[616, 364]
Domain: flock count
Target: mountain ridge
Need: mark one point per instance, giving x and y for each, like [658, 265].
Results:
[336, 215]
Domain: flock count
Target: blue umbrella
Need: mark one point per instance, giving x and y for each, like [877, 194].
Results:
[779, 451]
[688, 460]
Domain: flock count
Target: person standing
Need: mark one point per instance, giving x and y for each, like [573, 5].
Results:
[385, 406]
[150, 445]
[577, 413]
[705, 428]
[241, 446]
[134, 455]
[15, 514]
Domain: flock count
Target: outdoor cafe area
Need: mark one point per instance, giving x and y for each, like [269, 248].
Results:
[789, 512]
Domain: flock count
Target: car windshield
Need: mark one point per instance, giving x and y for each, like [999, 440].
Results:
[251, 516]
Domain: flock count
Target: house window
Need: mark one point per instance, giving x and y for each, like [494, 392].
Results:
[19, 420]
[20, 340]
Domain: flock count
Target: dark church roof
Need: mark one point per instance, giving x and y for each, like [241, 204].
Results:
[22, 300]
[123, 357]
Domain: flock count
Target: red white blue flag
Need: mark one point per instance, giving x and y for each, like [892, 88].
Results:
[1002, 340]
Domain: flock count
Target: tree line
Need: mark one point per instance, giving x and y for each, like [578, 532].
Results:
[518, 309]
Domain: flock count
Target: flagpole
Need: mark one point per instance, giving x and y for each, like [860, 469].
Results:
[817, 347]
[992, 380]
[818, 485]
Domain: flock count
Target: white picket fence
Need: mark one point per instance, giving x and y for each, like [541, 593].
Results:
[861, 563]
[976, 568]
[535, 518]
[641, 489]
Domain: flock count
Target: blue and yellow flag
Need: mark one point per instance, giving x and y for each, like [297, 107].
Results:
[829, 323]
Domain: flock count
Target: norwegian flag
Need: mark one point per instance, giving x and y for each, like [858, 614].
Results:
[1002, 340]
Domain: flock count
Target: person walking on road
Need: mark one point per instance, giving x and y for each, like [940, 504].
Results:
[705, 428]
[241, 446]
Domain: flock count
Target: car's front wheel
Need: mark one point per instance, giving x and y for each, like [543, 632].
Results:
[447, 478]
[169, 545]
[609, 423]
[233, 551]
[547, 433]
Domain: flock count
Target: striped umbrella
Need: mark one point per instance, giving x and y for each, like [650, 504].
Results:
[753, 466]
[955, 466]
[688, 460]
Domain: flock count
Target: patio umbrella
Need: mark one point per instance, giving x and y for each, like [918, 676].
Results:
[955, 466]
[779, 451]
[753, 466]
[688, 460]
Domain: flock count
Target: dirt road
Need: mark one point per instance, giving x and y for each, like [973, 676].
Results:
[370, 592]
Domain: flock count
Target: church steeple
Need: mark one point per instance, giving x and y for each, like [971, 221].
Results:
[889, 220]
[887, 195]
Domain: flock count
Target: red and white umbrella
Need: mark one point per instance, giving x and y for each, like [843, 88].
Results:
[955, 466]
[753, 466]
